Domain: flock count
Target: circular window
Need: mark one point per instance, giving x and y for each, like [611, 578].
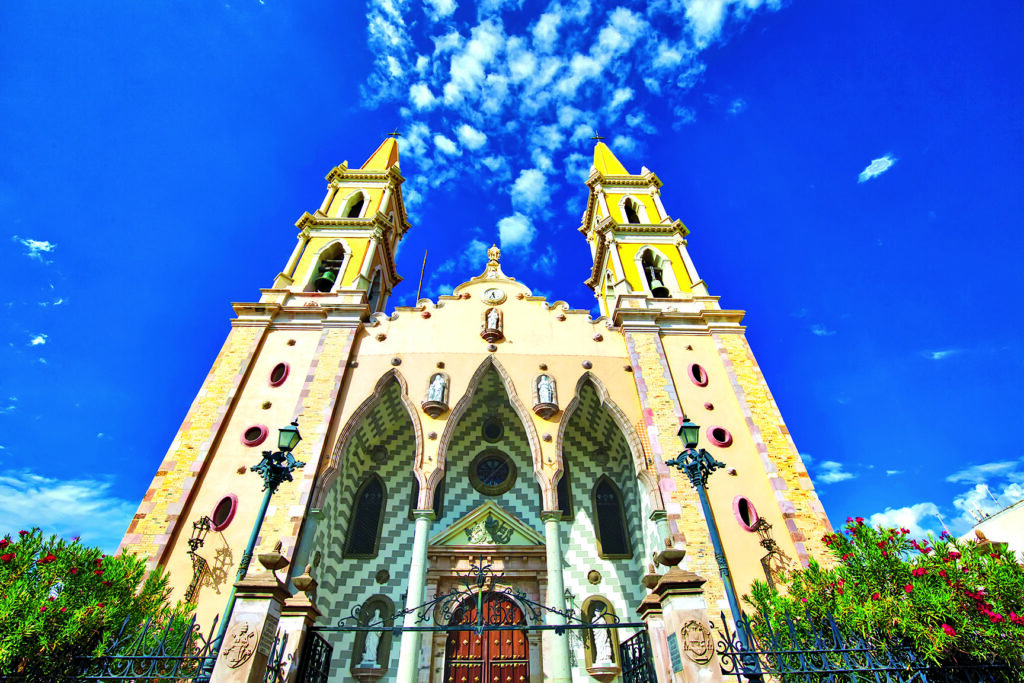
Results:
[746, 514]
[254, 435]
[492, 472]
[698, 375]
[279, 374]
[224, 512]
[719, 436]
[493, 429]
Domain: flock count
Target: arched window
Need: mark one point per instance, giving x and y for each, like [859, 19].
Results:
[629, 209]
[563, 490]
[655, 275]
[324, 277]
[354, 205]
[610, 521]
[366, 519]
[373, 294]
[414, 499]
[602, 644]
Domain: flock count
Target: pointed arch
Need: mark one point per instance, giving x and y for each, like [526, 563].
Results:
[638, 215]
[636, 448]
[369, 505]
[611, 527]
[355, 205]
[489, 363]
[332, 467]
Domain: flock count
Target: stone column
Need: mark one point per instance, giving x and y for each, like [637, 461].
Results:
[250, 635]
[687, 637]
[371, 248]
[298, 614]
[409, 653]
[556, 647]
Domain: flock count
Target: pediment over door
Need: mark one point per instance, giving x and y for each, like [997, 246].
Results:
[488, 525]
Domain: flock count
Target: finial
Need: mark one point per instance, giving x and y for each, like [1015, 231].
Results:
[598, 137]
[394, 134]
[493, 256]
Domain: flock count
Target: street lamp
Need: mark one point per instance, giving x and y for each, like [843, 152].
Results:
[698, 465]
[275, 468]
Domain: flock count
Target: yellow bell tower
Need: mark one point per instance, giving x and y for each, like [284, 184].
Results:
[349, 244]
[638, 249]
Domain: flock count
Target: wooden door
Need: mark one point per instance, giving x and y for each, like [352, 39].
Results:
[494, 657]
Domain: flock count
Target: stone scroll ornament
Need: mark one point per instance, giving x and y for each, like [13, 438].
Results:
[697, 642]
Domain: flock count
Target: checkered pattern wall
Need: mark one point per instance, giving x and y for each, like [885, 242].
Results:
[591, 431]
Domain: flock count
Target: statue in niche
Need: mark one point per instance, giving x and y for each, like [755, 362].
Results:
[492, 325]
[602, 637]
[435, 403]
[547, 401]
[371, 644]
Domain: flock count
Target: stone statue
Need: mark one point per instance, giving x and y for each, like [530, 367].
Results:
[493, 322]
[370, 645]
[602, 638]
[545, 390]
[436, 390]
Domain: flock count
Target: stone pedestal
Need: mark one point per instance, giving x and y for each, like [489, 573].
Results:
[250, 634]
[604, 673]
[686, 638]
[367, 674]
[297, 615]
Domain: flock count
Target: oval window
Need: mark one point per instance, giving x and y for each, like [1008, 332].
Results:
[719, 436]
[746, 513]
[279, 374]
[224, 512]
[254, 435]
[698, 375]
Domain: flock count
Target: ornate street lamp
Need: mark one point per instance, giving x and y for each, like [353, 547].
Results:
[698, 465]
[275, 468]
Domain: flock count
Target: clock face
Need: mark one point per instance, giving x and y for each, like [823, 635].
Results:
[494, 295]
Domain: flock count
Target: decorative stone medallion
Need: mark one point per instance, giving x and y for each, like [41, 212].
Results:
[240, 644]
[697, 642]
[594, 576]
[493, 296]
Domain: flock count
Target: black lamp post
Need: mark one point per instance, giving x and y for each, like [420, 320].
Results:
[275, 468]
[698, 465]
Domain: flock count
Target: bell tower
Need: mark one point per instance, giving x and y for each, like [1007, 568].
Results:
[638, 249]
[348, 245]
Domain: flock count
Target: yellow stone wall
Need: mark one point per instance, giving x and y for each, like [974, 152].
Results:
[615, 195]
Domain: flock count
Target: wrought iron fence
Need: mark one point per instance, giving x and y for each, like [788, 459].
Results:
[808, 650]
[637, 665]
[315, 663]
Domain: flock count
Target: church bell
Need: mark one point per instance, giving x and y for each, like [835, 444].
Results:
[658, 288]
[325, 282]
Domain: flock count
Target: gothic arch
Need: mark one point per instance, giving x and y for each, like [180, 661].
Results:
[333, 466]
[638, 206]
[636, 449]
[320, 254]
[351, 200]
[663, 262]
[489, 363]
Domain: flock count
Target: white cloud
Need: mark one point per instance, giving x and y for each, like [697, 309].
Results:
[890, 473]
[683, 116]
[876, 168]
[530, 191]
[68, 507]
[920, 519]
[545, 31]
[737, 106]
[439, 9]
[421, 96]
[624, 144]
[516, 232]
[940, 355]
[447, 146]
[470, 137]
[38, 340]
[36, 248]
[830, 472]
[819, 330]
[979, 474]
[547, 262]
[982, 500]
[620, 97]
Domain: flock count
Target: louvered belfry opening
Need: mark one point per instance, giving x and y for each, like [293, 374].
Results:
[610, 522]
[364, 527]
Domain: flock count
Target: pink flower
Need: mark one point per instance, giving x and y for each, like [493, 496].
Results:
[953, 554]
[23, 533]
[50, 557]
[876, 596]
[948, 629]
[43, 608]
[63, 609]
[1016, 619]
[994, 618]
[803, 599]
[74, 570]
[920, 571]
[7, 557]
[860, 520]
[904, 531]
[909, 587]
[4, 542]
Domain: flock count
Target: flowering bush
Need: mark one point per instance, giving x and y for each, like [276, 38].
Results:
[951, 602]
[60, 599]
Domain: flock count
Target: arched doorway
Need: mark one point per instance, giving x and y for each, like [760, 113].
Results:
[495, 656]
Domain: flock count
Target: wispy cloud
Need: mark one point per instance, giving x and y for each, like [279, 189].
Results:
[920, 519]
[819, 330]
[36, 249]
[940, 355]
[38, 340]
[831, 472]
[891, 473]
[737, 106]
[876, 168]
[82, 507]
[979, 474]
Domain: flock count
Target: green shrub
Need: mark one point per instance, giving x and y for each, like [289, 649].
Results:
[951, 602]
[60, 600]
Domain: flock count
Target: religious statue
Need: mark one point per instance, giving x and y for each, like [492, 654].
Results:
[493, 320]
[545, 390]
[493, 261]
[436, 390]
[370, 645]
[602, 638]
[492, 325]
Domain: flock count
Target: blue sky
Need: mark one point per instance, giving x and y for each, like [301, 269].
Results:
[850, 171]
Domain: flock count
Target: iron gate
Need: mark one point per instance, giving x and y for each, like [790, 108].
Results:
[637, 664]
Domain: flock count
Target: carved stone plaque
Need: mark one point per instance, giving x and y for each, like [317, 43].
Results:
[697, 642]
[239, 644]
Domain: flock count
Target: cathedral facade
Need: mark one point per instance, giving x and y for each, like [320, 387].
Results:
[488, 428]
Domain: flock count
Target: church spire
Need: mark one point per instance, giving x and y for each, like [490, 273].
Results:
[385, 157]
[605, 161]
